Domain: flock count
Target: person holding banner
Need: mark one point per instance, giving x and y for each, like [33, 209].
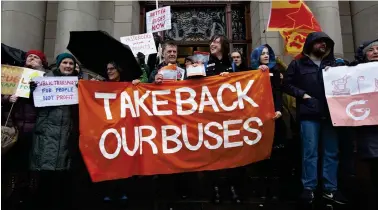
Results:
[263, 58]
[23, 116]
[114, 190]
[55, 146]
[220, 64]
[367, 142]
[304, 81]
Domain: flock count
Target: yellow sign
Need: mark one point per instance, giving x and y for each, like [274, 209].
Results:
[10, 78]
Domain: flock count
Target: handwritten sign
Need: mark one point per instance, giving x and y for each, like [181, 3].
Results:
[10, 77]
[195, 70]
[159, 20]
[352, 94]
[143, 43]
[55, 91]
[172, 73]
[23, 89]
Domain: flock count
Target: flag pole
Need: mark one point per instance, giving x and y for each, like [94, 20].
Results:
[159, 33]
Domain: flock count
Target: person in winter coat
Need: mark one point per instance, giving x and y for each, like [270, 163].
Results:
[367, 141]
[169, 50]
[304, 81]
[238, 64]
[219, 64]
[23, 116]
[146, 70]
[114, 192]
[263, 58]
[55, 143]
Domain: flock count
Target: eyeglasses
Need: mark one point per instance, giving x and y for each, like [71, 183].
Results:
[111, 68]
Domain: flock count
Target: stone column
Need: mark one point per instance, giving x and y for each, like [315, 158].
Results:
[126, 18]
[365, 20]
[328, 16]
[74, 16]
[23, 24]
[260, 11]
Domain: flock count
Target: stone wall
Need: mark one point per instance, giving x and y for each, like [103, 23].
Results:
[23, 24]
[365, 21]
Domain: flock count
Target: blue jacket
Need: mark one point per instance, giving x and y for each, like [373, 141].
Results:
[303, 76]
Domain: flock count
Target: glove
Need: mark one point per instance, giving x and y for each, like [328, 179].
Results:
[141, 57]
[32, 85]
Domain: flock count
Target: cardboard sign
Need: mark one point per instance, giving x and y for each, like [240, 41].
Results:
[195, 70]
[23, 89]
[158, 20]
[352, 94]
[172, 73]
[143, 43]
[55, 91]
[192, 125]
[10, 78]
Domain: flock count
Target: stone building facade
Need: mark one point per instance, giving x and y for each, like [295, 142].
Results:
[46, 25]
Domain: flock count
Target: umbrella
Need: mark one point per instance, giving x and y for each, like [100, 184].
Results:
[95, 49]
[12, 56]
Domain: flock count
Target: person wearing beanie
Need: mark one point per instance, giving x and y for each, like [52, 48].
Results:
[36, 60]
[55, 145]
[66, 64]
[367, 142]
[23, 116]
[370, 52]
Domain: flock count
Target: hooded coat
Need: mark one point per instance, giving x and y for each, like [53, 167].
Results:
[367, 141]
[56, 136]
[303, 76]
[274, 70]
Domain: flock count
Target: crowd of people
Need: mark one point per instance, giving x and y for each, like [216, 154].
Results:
[47, 153]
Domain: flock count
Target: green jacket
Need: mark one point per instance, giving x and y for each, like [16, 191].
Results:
[56, 136]
[145, 70]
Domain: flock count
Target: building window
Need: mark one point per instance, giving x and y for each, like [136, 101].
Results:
[196, 24]
[238, 22]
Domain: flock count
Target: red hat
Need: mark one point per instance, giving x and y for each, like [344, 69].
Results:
[40, 54]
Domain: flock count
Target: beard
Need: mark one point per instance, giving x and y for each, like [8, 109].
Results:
[319, 52]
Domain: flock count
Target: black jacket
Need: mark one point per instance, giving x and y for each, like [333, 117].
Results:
[215, 66]
[303, 76]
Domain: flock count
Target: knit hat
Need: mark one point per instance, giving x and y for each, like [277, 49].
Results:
[41, 56]
[375, 43]
[62, 56]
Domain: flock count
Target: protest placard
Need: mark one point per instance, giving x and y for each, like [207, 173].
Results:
[10, 77]
[192, 125]
[55, 91]
[172, 72]
[197, 69]
[158, 20]
[143, 43]
[352, 94]
[23, 88]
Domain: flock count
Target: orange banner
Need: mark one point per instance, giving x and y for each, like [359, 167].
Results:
[193, 125]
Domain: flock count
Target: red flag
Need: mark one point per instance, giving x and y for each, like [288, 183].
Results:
[294, 20]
